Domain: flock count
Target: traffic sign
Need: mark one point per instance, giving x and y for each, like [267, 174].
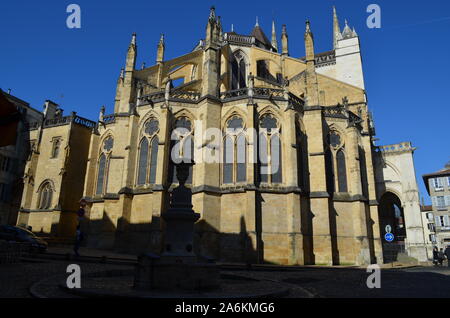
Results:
[388, 228]
[389, 237]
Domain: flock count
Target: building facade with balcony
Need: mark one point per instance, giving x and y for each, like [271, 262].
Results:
[438, 187]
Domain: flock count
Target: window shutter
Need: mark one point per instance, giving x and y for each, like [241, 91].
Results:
[433, 201]
[447, 200]
[446, 220]
[437, 221]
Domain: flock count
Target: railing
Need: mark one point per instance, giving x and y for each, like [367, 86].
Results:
[335, 111]
[57, 121]
[268, 92]
[234, 93]
[151, 98]
[84, 122]
[185, 95]
[404, 146]
[190, 96]
[325, 59]
[109, 119]
[241, 39]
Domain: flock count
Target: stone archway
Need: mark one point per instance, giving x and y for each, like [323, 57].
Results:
[391, 213]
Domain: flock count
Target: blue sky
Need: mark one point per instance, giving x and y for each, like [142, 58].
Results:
[406, 62]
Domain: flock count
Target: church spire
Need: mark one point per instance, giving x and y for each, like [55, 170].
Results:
[124, 91]
[219, 27]
[131, 55]
[309, 42]
[311, 76]
[284, 41]
[212, 14]
[257, 23]
[160, 51]
[348, 33]
[212, 29]
[274, 37]
[336, 29]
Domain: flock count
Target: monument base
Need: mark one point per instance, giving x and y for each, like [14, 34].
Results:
[175, 273]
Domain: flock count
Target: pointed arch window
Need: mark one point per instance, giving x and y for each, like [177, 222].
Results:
[45, 196]
[181, 147]
[270, 150]
[234, 152]
[56, 146]
[153, 160]
[101, 174]
[143, 157]
[342, 171]
[148, 153]
[363, 168]
[103, 165]
[238, 71]
[329, 170]
[301, 161]
[336, 161]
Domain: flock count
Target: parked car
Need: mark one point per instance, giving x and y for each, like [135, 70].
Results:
[18, 234]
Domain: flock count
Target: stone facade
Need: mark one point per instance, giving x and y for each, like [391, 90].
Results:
[396, 184]
[318, 205]
[438, 187]
[54, 172]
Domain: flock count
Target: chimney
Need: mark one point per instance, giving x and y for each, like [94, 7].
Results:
[50, 109]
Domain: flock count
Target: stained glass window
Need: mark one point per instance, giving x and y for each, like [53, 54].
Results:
[154, 160]
[342, 172]
[143, 157]
[101, 174]
[108, 144]
[151, 126]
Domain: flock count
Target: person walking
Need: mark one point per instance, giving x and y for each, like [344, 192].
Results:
[447, 254]
[435, 256]
[441, 257]
[78, 239]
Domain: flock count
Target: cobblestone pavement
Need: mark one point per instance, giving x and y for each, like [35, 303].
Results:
[340, 282]
[15, 279]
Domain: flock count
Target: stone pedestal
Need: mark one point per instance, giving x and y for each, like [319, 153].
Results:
[178, 267]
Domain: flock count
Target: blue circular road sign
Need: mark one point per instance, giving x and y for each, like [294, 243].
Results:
[389, 237]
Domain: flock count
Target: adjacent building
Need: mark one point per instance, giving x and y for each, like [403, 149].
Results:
[54, 172]
[438, 187]
[429, 228]
[12, 161]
